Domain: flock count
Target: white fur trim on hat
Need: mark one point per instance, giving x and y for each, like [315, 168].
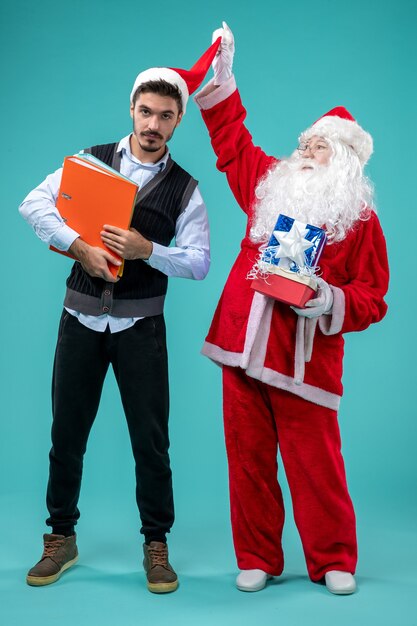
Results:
[162, 73]
[346, 131]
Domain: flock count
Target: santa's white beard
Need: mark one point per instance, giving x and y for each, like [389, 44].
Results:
[333, 196]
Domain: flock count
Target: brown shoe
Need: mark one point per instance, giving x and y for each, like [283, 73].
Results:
[58, 555]
[161, 577]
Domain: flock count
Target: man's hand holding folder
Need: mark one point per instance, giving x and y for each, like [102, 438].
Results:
[95, 260]
[128, 244]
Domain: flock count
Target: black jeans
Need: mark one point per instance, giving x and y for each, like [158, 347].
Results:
[138, 356]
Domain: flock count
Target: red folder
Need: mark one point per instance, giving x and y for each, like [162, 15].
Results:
[91, 195]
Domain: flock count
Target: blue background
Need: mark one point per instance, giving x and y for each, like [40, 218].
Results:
[67, 71]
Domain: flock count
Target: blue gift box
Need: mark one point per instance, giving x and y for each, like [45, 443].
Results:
[293, 246]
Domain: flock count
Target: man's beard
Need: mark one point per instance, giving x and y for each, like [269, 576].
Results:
[332, 196]
[157, 136]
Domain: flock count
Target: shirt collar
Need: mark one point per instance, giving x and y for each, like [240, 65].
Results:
[124, 148]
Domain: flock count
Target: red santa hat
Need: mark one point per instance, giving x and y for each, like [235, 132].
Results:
[340, 125]
[187, 81]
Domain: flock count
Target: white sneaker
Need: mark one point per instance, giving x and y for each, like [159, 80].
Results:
[340, 583]
[252, 580]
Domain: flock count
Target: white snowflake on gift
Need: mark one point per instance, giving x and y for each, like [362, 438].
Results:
[290, 251]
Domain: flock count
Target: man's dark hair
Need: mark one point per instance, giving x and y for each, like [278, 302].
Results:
[162, 88]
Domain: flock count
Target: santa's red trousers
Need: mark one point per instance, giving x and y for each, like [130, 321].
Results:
[258, 418]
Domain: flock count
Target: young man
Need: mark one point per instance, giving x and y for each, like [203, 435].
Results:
[276, 392]
[120, 322]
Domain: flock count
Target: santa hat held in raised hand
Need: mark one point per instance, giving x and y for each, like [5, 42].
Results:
[187, 81]
[339, 124]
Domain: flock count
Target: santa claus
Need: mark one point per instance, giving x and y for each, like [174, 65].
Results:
[282, 366]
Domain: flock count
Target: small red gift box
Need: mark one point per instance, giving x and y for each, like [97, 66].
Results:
[287, 287]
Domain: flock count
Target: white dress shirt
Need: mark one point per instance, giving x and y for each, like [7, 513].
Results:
[189, 258]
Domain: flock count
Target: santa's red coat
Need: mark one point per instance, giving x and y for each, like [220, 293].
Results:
[258, 334]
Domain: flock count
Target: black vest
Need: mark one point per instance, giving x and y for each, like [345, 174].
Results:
[141, 290]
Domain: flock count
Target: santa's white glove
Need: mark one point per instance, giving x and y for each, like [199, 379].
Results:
[321, 304]
[223, 61]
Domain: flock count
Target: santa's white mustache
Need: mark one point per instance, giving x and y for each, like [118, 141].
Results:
[306, 164]
[297, 163]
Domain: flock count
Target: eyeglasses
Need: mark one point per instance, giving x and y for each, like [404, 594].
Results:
[318, 147]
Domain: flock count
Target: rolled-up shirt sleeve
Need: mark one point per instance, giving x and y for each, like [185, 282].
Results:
[190, 256]
[39, 210]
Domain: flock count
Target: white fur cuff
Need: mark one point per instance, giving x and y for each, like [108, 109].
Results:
[211, 95]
